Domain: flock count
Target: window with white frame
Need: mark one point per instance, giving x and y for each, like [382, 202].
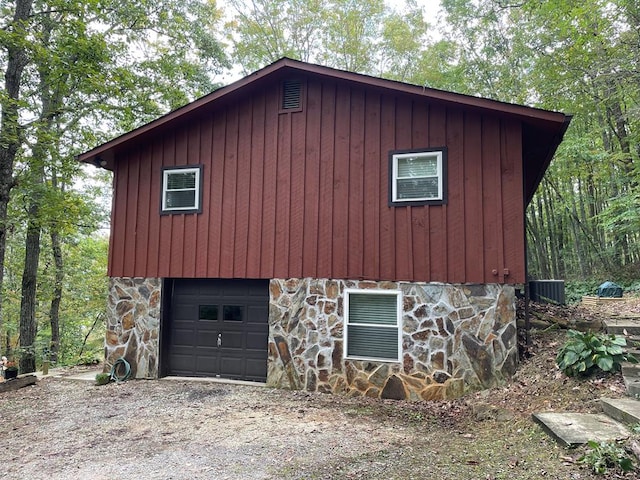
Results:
[372, 324]
[181, 189]
[417, 177]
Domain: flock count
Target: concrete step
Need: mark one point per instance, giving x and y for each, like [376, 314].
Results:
[630, 369]
[618, 326]
[624, 410]
[632, 383]
[633, 342]
[573, 429]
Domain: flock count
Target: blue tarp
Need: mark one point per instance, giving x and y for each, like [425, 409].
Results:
[609, 289]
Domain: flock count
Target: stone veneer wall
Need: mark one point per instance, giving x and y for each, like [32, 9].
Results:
[456, 338]
[133, 324]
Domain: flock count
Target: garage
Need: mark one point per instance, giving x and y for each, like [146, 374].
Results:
[217, 328]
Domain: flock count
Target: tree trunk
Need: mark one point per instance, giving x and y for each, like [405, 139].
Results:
[28, 325]
[580, 247]
[10, 132]
[49, 103]
[553, 249]
[54, 311]
[542, 244]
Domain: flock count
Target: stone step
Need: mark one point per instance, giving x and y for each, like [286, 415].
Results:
[633, 341]
[630, 369]
[633, 385]
[573, 429]
[618, 326]
[624, 410]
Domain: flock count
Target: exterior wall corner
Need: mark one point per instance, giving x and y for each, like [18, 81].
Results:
[133, 324]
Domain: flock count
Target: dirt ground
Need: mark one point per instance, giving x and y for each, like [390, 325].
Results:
[64, 429]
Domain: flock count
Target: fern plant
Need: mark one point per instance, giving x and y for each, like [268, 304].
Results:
[586, 352]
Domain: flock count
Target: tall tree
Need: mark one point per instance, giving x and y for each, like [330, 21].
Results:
[262, 31]
[362, 36]
[351, 34]
[402, 43]
[13, 41]
[580, 57]
[113, 64]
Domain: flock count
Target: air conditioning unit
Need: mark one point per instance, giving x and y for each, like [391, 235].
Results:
[547, 291]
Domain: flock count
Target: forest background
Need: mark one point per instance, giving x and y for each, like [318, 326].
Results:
[78, 73]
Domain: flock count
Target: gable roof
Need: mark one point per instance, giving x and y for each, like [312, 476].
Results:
[543, 130]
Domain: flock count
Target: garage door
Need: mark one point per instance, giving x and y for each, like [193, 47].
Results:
[218, 328]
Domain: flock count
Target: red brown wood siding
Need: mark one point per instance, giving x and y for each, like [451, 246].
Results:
[305, 194]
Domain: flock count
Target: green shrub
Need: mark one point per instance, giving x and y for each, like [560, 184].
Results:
[584, 353]
[575, 290]
[103, 378]
[603, 456]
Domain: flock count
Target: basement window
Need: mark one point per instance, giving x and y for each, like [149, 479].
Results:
[372, 325]
[291, 100]
[417, 177]
[182, 189]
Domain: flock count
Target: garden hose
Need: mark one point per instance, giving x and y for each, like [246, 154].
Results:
[127, 370]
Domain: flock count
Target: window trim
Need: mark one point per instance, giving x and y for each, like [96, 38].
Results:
[166, 171]
[397, 326]
[441, 155]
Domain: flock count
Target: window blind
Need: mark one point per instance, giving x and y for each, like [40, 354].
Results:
[372, 329]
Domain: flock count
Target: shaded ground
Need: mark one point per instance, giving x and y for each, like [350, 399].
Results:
[63, 429]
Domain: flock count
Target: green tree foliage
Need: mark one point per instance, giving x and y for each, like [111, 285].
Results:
[360, 36]
[588, 64]
[580, 57]
[402, 46]
[78, 73]
[491, 52]
[82, 309]
[350, 34]
[262, 31]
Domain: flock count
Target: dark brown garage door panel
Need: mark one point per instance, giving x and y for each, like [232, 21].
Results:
[218, 328]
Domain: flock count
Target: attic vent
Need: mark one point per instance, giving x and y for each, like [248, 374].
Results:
[291, 94]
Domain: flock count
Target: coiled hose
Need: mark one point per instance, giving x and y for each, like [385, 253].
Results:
[119, 377]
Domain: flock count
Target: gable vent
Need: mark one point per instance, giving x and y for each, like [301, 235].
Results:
[291, 94]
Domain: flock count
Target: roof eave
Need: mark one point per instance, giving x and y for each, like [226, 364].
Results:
[104, 151]
[548, 157]
[102, 155]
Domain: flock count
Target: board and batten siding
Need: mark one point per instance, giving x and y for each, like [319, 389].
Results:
[305, 193]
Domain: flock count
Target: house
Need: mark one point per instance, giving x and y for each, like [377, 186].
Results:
[318, 229]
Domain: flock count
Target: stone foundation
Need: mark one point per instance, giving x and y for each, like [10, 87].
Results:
[455, 339]
[133, 324]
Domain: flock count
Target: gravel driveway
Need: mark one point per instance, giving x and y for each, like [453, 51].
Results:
[63, 429]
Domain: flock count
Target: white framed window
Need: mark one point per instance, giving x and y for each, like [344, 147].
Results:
[417, 177]
[181, 189]
[373, 325]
